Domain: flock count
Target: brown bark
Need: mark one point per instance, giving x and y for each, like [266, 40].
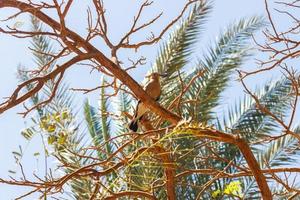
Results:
[170, 172]
[247, 153]
[98, 56]
[73, 40]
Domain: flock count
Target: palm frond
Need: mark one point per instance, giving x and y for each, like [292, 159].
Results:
[235, 112]
[249, 122]
[281, 152]
[41, 48]
[252, 123]
[174, 54]
[228, 54]
[104, 120]
[41, 45]
[98, 124]
[122, 106]
[62, 99]
[93, 123]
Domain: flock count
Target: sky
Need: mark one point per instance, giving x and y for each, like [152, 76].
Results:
[15, 51]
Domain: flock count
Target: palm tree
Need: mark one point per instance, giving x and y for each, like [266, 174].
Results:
[170, 151]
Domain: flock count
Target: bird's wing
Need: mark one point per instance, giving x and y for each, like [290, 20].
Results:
[141, 109]
[153, 89]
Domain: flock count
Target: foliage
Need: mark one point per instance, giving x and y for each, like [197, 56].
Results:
[149, 158]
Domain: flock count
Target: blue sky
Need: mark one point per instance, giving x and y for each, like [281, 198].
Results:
[14, 52]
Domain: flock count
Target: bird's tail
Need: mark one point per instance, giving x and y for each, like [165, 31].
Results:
[133, 125]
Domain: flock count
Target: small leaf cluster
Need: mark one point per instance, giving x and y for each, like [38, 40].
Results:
[54, 125]
[233, 189]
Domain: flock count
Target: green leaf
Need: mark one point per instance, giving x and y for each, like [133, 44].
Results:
[175, 53]
[254, 124]
[93, 123]
[104, 119]
[27, 133]
[36, 154]
[122, 105]
[281, 152]
[227, 55]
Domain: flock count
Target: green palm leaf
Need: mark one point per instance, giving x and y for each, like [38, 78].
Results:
[249, 122]
[93, 123]
[59, 114]
[252, 123]
[122, 105]
[175, 53]
[98, 124]
[281, 152]
[228, 54]
[104, 120]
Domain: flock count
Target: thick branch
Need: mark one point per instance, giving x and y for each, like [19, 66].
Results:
[169, 168]
[98, 56]
[247, 153]
[137, 89]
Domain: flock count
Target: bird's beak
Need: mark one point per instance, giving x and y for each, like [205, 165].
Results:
[164, 75]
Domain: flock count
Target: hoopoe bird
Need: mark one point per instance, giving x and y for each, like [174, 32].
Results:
[153, 89]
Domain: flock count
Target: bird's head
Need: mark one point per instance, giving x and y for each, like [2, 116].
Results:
[155, 76]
